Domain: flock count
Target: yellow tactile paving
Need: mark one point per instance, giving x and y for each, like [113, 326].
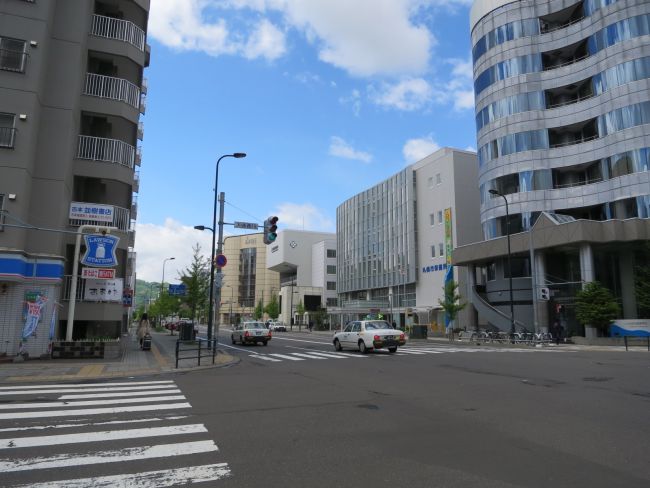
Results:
[91, 370]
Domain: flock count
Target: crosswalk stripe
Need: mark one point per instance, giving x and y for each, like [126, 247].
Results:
[421, 351]
[329, 355]
[284, 356]
[107, 435]
[77, 390]
[85, 403]
[86, 385]
[265, 358]
[149, 479]
[101, 457]
[75, 425]
[410, 351]
[122, 394]
[94, 411]
[308, 356]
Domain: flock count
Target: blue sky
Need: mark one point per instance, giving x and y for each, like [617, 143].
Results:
[327, 98]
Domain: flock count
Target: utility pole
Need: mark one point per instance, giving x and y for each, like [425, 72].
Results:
[217, 295]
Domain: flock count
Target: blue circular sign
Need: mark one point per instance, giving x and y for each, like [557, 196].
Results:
[221, 260]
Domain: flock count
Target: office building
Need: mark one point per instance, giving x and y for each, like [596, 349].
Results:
[71, 95]
[562, 113]
[394, 239]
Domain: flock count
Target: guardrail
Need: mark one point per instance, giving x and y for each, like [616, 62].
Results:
[198, 347]
[647, 338]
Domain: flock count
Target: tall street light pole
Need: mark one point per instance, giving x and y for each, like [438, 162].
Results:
[162, 283]
[512, 303]
[212, 251]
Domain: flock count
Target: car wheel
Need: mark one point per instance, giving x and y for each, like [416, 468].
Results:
[337, 345]
[392, 349]
[266, 343]
[362, 347]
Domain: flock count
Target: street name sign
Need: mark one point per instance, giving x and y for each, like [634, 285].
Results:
[177, 290]
[246, 225]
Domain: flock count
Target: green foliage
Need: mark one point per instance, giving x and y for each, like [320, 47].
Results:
[595, 306]
[196, 279]
[451, 304]
[259, 310]
[319, 317]
[642, 288]
[272, 309]
[300, 308]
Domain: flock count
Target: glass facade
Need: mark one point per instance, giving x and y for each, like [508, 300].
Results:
[528, 63]
[375, 233]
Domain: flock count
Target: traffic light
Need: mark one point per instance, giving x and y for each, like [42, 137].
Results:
[544, 294]
[270, 228]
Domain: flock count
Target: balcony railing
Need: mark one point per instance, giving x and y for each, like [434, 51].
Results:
[138, 156]
[143, 103]
[120, 217]
[7, 136]
[107, 150]
[11, 60]
[136, 181]
[121, 30]
[573, 142]
[145, 85]
[140, 130]
[113, 88]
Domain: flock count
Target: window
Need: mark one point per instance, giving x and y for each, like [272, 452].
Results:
[7, 130]
[331, 253]
[331, 285]
[432, 219]
[491, 271]
[331, 269]
[440, 216]
[430, 181]
[12, 54]
[2, 207]
[433, 251]
[520, 267]
[332, 302]
[441, 248]
[438, 179]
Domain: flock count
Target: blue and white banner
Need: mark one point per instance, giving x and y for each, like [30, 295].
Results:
[100, 250]
[630, 328]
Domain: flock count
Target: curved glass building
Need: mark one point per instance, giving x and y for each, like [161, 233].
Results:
[562, 93]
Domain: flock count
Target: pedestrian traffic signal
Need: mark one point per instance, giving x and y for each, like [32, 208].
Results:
[544, 294]
[270, 228]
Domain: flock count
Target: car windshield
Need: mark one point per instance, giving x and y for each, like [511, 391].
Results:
[255, 325]
[379, 324]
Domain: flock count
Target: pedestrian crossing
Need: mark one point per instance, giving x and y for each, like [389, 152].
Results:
[308, 354]
[123, 430]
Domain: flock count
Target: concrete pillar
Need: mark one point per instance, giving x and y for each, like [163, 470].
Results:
[628, 292]
[586, 264]
[543, 320]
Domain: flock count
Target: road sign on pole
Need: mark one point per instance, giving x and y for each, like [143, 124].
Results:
[220, 261]
[245, 225]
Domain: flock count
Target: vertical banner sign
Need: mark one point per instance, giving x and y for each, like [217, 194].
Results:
[52, 327]
[100, 250]
[449, 246]
[34, 303]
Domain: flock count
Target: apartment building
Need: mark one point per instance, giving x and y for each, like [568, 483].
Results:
[71, 95]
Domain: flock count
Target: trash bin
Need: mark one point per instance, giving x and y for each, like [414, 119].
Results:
[186, 332]
[419, 332]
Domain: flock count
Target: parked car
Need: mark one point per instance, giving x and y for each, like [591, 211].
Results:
[277, 326]
[250, 332]
[366, 335]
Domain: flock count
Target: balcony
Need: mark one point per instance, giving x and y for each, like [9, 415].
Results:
[106, 150]
[140, 130]
[143, 103]
[121, 30]
[99, 214]
[134, 207]
[112, 88]
[145, 86]
[136, 181]
[7, 137]
[138, 156]
[11, 60]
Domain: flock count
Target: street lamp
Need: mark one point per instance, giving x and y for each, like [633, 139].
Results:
[162, 283]
[512, 303]
[212, 251]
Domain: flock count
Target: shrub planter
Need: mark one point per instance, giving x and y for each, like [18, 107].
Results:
[86, 349]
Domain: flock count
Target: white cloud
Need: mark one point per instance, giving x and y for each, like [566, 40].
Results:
[184, 25]
[354, 100]
[304, 217]
[416, 149]
[458, 89]
[341, 149]
[470, 148]
[155, 243]
[410, 94]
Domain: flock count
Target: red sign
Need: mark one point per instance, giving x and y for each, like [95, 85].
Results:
[98, 273]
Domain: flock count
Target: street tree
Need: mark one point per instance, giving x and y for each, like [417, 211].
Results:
[259, 309]
[596, 307]
[272, 308]
[451, 303]
[300, 311]
[197, 283]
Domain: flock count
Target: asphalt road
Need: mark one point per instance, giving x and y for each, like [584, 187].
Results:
[429, 416]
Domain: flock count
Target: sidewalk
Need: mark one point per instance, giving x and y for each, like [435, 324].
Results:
[134, 362]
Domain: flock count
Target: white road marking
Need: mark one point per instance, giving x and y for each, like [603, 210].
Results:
[76, 390]
[95, 411]
[107, 435]
[329, 355]
[85, 385]
[265, 358]
[409, 351]
[101, 457]
[308, 356]
[147, 479]
[123, 394]
[84, 403]
[112, 422]
[284, 356]
[301, 340]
